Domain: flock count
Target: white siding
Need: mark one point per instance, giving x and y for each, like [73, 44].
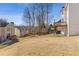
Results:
[17, 32]
[6, 30]
[10, 29]
[73, 27]
[2, 32]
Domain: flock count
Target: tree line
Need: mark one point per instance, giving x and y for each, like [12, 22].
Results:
[37, 16]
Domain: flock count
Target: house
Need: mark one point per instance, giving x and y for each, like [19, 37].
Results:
[11, 29]
[21, 30]
[62, 24]
[70, 19]
[17, 32]
[73, 19]
[61, 27]
[7, 29]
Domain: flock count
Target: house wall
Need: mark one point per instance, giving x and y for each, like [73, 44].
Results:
[9, 29]
[73, 22]
[2, 32]
[22, 32]
[17, 32]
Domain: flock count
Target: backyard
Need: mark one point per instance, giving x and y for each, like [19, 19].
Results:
[43, 45]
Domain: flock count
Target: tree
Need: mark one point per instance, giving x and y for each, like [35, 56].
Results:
[37, 15]
[3, 22]
[27, 18]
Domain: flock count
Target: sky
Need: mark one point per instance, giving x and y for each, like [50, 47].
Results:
[13, 12]
[56, 11]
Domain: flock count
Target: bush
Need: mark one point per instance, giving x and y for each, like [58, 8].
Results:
[14, 38]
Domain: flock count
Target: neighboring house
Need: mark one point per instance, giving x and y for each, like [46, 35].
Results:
[21, 30]
[17, 32]
[60, 26]
[7, 29]
[11, 29]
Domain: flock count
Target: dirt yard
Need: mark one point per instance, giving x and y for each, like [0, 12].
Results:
[46, 45]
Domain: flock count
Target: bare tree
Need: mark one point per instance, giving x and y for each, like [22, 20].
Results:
[27, 18]
[33, 19]
[37, 15]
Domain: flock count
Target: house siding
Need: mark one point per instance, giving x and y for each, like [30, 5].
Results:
[9, 29]
[17, 32]
[73, 25]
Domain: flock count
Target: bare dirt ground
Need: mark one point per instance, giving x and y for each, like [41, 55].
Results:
[45, 45]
